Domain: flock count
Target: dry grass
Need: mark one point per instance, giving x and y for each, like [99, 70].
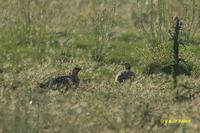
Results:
[99, 103]
[34, 49]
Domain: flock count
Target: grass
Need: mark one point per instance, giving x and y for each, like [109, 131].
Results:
[99, 104]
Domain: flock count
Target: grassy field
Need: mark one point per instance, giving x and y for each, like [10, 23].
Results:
[42, 39]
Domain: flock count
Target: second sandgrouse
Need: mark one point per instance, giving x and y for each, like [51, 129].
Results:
[126, 74]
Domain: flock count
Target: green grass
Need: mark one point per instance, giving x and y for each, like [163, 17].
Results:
[99, 104]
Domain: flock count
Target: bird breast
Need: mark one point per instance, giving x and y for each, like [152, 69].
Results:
[123, 75]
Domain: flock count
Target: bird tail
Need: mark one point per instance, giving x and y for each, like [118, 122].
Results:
[42, 85]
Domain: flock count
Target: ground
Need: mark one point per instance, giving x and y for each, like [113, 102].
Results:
[97, 36]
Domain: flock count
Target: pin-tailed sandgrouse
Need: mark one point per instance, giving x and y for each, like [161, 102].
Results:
[126, 74]
[63, 83]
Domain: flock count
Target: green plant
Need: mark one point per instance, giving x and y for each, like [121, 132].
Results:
[175, 36]
[97, 53]
[102, 22]
[153, 19]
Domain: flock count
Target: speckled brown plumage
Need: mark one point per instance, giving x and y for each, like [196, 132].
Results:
[63, 83]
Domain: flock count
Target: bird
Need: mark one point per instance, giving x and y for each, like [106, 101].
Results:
[63, 83]
[126, 74]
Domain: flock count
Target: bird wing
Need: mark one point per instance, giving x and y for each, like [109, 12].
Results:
[123, 75]
[60, 81]
[131, 74]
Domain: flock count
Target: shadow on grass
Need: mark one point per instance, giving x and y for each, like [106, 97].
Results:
[155, 68]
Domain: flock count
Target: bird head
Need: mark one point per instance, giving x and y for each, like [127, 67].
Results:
[127, 66]
[76, 70]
